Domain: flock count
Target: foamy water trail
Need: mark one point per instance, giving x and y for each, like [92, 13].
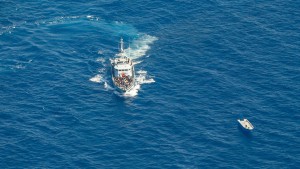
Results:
[97, 78]
[107, 86]
[133, 92]
[143, 78]
[7, 29]
[137, 62]
[147, 81]
[140, 46]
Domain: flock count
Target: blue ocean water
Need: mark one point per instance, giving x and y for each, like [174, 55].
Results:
[212, 62]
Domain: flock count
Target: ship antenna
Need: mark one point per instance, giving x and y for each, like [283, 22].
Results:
[121, 46]
[129, 49]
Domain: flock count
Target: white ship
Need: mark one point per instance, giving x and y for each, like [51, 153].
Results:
[123, 75]
[245, 123]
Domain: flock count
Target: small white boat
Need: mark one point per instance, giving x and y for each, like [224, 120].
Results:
[246, 124]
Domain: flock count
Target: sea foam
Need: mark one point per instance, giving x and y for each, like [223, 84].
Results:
[140, 46]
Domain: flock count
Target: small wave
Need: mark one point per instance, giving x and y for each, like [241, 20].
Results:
[101, 70]
[91, 17]
[107, 86]
[137, 62]
[20, 66]
[100, 52]
[7, 29]
[101, 60]
[57, 20]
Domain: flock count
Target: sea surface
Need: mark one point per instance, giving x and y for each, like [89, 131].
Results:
[209, 62]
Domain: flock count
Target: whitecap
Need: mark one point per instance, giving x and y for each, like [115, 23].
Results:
[143, 78]
[137, 62]
[101, 70]
[20, 67]
[148, 81]
[102, 60]
[107, 86]
[96, 79]
[100, 52]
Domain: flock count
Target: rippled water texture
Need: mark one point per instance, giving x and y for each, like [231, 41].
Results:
[210, 63]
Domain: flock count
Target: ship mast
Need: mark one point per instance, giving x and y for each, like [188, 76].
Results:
[121, 45]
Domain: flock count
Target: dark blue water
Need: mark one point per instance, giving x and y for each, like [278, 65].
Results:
[212, 61]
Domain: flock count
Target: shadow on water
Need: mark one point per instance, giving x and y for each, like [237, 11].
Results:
[246, 133]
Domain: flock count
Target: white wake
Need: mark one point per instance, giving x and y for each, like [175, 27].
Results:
[140, 46]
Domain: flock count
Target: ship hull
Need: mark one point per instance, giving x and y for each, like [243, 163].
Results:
[122, 70]
[123, 89]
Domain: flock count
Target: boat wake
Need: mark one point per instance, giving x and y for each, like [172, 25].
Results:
[143, 78]
[99, 78]
[107, 86]
[140, 46]
[96, 79]
[131, 93]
